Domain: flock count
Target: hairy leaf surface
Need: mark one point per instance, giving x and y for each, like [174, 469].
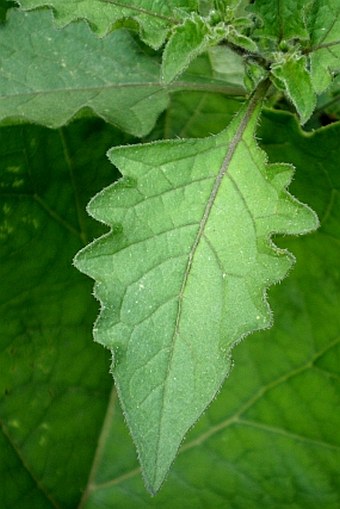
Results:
[281, 19]
[306, 67]
[153, 17]
[196, 35]
[187, 41]
[182, 274]
[48, 75]
[296, 82]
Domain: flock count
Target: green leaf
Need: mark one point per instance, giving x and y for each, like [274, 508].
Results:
[242, 41]
[182, 274]
[186, 42]
[254, 74]
[4, 6]
[296, 82]
[195, 36]
[324, 27]
[54, 385]
[75, 74]
[271, 438]
[316, 26]
[301, 40]
[48, 76]
[203, 75]
[153, 18]
[196, 115]
[281, 20]
[227, 63]
[329, 102]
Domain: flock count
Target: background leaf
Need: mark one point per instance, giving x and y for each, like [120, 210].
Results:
[208, 72]
[195, 114]
[4, 6]
[48, 75]
[227, 64]
[54, 388]
[329, 102]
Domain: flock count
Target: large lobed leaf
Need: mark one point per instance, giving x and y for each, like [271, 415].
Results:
[47, 75]
[182, 275]
[153, 18]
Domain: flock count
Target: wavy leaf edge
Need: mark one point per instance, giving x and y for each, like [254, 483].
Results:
[154, 481]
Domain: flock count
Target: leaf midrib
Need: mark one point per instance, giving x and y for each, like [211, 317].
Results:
[174, 87]
[254, 102]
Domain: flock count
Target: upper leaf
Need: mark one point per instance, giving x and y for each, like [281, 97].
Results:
[153, 18]
[301, 44]
[182, 274]
[295, 79]
[197, 34]
[48, 75]
[324, 27]
[188, 41]
[281, 20]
